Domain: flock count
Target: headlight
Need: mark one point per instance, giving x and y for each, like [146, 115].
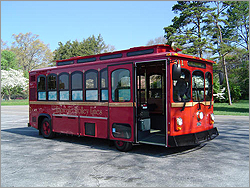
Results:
[179, 121]
[200, 115]
[212, 116]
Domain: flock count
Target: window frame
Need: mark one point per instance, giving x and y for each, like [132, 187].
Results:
[45, 90]
[152, 90]
[140, 52]
[211, 97]
[112, 56]
[88, 89]
[198, 88]
[190, 82]
[61, 63]
[86, 60]
[141, 92]
[48, 90]
[58, 86]
[130, 87]
[104, 88]
[71, 81]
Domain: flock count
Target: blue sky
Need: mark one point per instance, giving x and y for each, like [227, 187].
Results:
[123, 24]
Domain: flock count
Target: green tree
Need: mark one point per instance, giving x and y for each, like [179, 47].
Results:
[224, 28]
[8, 60]
[31, 52]
[90, 46]
[187, 28]
[93, 45]
[64, 51]
[238, 23]
[238, 71]
[216, 29]
[228, 27]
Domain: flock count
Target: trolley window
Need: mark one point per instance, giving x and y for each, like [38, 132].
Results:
[65, 63]
[76, 86]
[198, 86]
[155, 88]
[181, 87]
[104, 85]
[141, 86]
[52, 89]
[208, 86]
[120, 80]
[64, 87]
[91, 87]
[41, 87]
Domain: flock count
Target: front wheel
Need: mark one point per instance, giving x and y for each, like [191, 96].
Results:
[123, 146]
[46, 129]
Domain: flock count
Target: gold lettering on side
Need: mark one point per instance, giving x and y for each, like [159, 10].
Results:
[95, 112]
[71, 111]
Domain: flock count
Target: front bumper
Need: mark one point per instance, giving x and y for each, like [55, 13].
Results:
[192, 139]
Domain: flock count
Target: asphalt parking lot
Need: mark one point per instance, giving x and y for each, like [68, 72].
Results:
[29, 160]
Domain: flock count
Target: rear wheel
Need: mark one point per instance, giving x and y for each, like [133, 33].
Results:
[46, 129]
[123, 146]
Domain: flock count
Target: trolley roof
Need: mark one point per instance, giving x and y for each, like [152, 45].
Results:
[136, 51]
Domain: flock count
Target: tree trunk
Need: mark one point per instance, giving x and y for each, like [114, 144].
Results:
[227, 82]
[199, 36]
[9, 93]
[224, 65]
[9, 97]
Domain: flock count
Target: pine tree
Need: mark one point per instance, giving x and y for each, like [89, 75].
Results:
[90, 46]
[216, 24]
[238, 23]
[187, 28]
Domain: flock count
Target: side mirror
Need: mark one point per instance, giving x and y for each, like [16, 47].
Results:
[221, 78]
[176, 71]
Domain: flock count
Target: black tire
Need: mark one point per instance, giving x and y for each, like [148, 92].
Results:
[46, 128]
[122, 145]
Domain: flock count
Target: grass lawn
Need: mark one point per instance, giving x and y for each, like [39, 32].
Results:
[15, 102]
[240, 108]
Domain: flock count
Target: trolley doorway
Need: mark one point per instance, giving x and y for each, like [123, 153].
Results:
[151, 102]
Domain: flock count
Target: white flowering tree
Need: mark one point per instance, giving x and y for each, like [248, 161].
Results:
[12, 79]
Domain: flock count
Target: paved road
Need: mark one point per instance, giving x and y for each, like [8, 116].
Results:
[28, 160]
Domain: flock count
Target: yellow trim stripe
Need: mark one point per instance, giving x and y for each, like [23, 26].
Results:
[189, 104]
[130, 104]
[180, 104]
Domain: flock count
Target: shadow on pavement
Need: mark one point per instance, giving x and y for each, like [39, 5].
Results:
[103, 144]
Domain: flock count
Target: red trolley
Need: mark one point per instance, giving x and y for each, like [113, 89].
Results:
[150, 94]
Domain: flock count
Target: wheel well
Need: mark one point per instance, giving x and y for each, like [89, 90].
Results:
[40, 120]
